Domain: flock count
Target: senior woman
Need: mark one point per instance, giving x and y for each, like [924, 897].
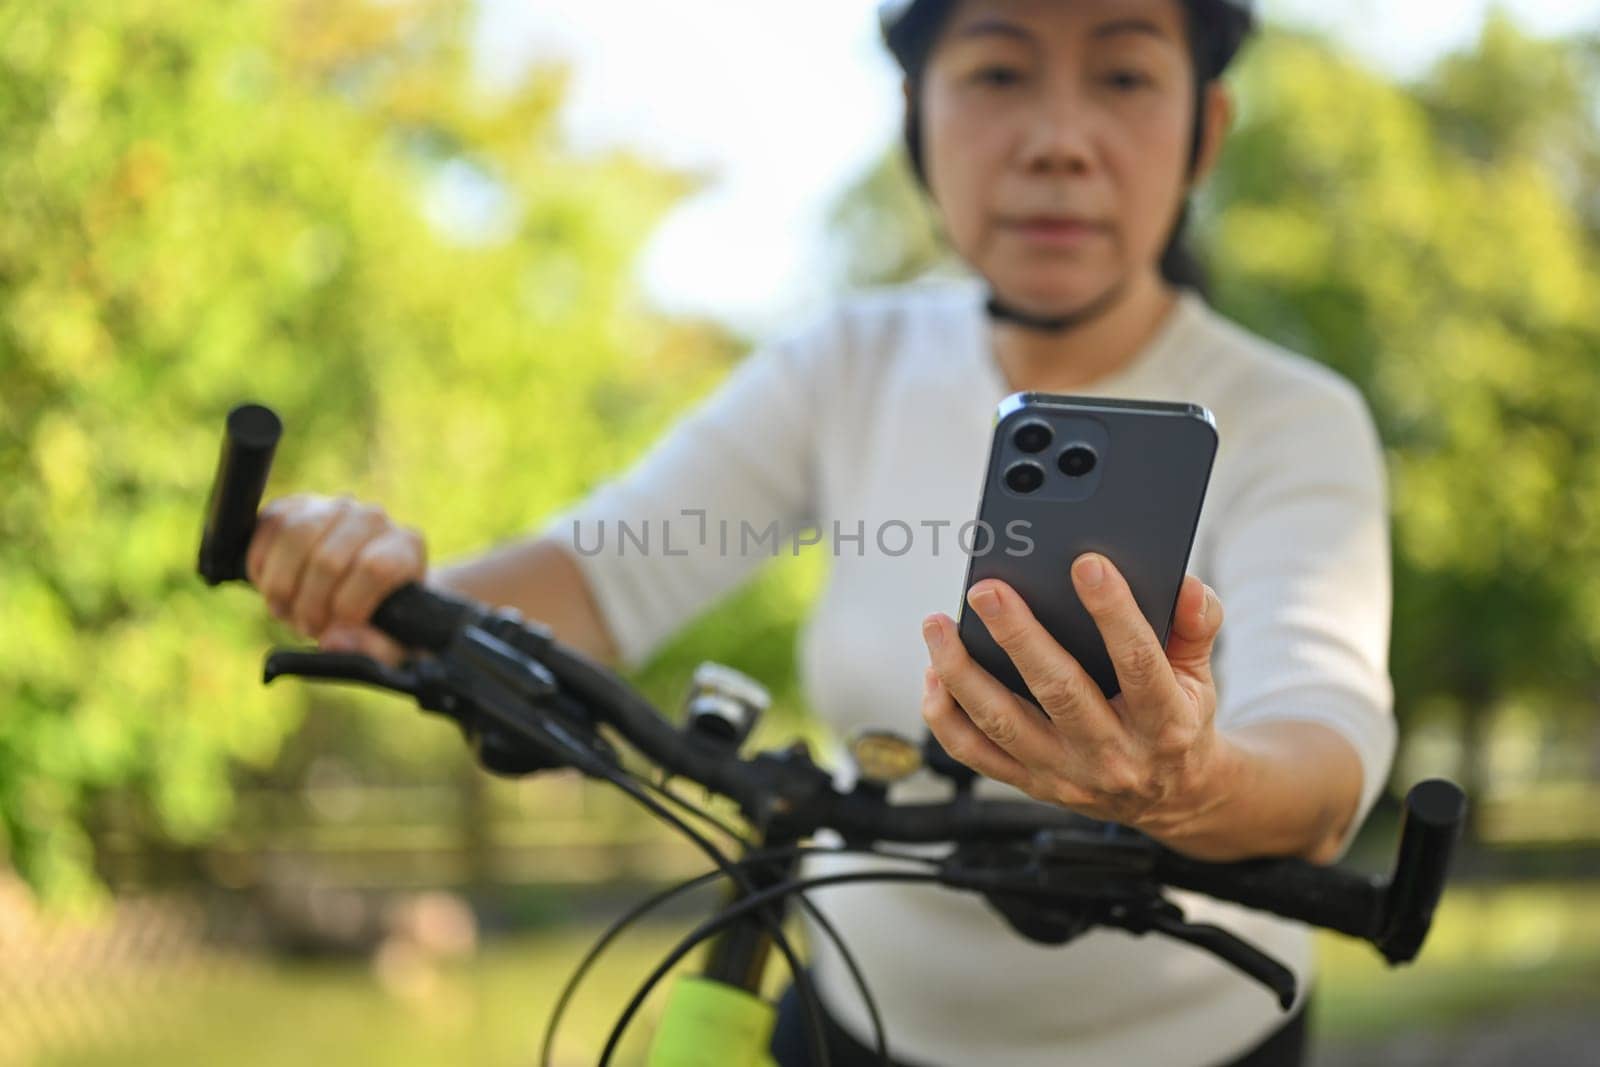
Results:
[1059, 141]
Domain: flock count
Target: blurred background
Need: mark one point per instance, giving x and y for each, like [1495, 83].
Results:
[478, 255]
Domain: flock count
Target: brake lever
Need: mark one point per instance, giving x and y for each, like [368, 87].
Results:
[425, 679]
[341, 667]
[1066, 881]
[1165, 917]
[430, 683]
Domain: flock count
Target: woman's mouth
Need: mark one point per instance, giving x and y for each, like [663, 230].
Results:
[1056, 230]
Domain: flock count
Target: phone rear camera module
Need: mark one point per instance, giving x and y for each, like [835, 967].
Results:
[1078, 461]
[1033, 437]
[1025, 478]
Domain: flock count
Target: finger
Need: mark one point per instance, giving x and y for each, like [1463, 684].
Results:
[962, 739]
[383, 565]
[1195, 624]
[328, 562]
[1055, 678]
[340, 637]
[1136, 654]
[268, 523]
[1014, 725]
[298, 532]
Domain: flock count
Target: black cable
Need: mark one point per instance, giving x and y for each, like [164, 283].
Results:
[553, 733]
[731, 914]
[624, 779]
[880, 1036]
[656, 900]
[880, 1039]
[627, 919]
[852, 965]
[699, 812]
[802, 982]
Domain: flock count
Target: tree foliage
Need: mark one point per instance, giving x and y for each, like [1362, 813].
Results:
[312, 205]
[1426, 243]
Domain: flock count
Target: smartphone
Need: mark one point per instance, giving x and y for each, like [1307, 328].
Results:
[1069, 475]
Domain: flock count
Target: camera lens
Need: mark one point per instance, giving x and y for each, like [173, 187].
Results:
[1078, 461]
[1025, 477]
[1033, 437]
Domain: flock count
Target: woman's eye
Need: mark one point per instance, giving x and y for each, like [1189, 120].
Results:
[1128, 80]
[998, 77]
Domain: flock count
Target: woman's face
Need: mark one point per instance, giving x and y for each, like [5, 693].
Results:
[1056, 139]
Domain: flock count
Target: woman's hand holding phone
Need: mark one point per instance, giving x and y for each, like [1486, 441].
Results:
[1149, 757]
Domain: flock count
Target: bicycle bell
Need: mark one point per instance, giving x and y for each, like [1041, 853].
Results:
[884, 757]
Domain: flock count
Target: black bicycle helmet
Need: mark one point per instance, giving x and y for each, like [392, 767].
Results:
[1220, 28]
[1224, 25]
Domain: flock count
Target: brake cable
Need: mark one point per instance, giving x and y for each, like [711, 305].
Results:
[732, 913]
[758, 857]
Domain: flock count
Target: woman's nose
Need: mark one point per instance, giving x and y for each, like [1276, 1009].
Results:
[1058, 139]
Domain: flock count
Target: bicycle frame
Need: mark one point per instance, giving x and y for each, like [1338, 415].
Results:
[708, 1022]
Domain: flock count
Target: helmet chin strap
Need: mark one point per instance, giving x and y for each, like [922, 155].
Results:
[1000, 311]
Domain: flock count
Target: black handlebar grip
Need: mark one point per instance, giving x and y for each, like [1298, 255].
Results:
[1323, 896]
[1435, 812]
[247, 447]
[419, 617]
[415, 616]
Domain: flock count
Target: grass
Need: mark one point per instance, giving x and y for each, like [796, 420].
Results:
[1494, 952]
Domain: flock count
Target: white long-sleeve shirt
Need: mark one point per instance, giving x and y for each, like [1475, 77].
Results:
[876, 421]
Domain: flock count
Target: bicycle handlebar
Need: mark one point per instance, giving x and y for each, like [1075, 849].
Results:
[1393, 913]
[248, 442]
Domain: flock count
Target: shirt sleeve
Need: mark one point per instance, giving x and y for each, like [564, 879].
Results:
[1302, 567]
[728, 487]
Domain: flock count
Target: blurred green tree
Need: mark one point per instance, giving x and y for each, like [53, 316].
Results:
[313, 205]
[1436, 244]
[1517, 94]
[882, 231]
[1430, 245]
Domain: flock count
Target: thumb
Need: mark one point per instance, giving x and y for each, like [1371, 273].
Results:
[1195, 624]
